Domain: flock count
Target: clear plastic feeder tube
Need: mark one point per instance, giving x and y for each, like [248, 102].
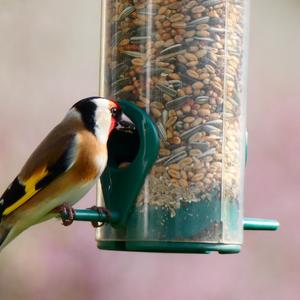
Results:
[184, 62]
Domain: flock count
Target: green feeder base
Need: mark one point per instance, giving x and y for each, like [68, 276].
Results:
[169, 247]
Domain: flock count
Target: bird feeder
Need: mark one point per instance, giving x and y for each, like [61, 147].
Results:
[178, 69]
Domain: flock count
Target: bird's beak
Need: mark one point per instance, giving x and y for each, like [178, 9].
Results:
[124, 123]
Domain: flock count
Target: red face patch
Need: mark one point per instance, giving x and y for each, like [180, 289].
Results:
[114, 121]
[116, 103]
[113, 124]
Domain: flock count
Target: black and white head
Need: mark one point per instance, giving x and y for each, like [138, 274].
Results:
[101, 116]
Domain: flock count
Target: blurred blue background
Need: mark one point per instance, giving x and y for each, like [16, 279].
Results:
[49, 55]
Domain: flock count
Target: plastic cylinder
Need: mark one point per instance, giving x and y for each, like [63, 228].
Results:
[184, 62]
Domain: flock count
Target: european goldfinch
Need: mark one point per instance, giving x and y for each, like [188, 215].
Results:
[63, 168]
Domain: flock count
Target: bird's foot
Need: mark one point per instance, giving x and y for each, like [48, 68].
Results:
[67, 214]
[101, 210]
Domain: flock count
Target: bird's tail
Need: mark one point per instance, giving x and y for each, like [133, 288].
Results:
[4, 231]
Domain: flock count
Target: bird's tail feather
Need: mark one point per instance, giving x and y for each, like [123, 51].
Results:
[4, 231]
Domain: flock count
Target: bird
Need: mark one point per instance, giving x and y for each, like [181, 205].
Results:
[63, 168]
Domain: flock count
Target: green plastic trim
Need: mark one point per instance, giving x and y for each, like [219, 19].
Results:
[170, 247]
[260, 224]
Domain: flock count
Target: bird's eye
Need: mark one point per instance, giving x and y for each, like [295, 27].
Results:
[114, 112]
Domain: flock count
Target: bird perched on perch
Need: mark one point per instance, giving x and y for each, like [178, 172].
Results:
[63, 168]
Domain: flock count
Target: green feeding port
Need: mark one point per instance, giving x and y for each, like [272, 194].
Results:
[202, 225]
[131, 156]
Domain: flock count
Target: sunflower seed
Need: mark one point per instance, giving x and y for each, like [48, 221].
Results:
[162, 159]
[121, 83]
[169, 55]
[212, 2]
[202, 99]
[166, 89]
[173, 48]
[126, 12]
[161, 130]
[216, 123]
[196, 22]
[203, 146]
[211, 129]
[176, 102]
[139, 39]
[188, 133]
[134, 53]
[203, 39]
[175, 158]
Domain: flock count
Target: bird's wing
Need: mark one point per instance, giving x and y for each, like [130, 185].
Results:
[54, 156]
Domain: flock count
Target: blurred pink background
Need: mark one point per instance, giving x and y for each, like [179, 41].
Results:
[49, 59]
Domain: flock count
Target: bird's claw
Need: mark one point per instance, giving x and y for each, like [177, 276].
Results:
[67, 214]
[101, 210]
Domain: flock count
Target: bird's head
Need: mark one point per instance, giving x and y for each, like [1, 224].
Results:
[101, 116]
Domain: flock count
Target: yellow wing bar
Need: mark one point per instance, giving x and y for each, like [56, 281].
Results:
[30, 191]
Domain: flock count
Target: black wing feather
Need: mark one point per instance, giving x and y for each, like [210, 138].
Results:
[15, 191]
